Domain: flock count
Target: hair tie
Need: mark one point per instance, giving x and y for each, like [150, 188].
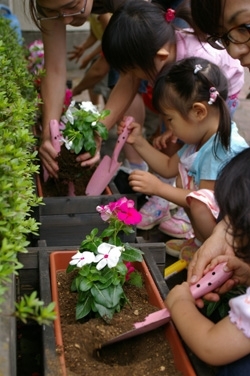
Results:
[197, 68]
[213, 95]
[170, 15]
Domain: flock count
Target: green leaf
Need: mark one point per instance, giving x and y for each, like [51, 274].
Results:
[109, 297]
[132, 254]
[83, 308]
[105, 312]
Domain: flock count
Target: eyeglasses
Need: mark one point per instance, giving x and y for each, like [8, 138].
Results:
[237, 35]
[60, 14]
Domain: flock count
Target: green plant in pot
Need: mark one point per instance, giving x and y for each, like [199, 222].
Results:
[103, 263]
[80, 127]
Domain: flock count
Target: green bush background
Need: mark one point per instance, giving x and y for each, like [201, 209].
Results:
[18, 107]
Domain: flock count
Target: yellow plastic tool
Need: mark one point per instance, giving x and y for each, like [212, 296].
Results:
[175, 268]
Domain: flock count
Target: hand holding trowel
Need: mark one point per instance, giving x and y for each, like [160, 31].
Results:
[109, 165]
[209, 282]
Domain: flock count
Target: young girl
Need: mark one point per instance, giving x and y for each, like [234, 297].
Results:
[227, 21]
[148, 42]
[227, 343]
[191, 97]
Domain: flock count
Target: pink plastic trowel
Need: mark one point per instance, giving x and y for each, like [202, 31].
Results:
[108, 166]
[213, 279]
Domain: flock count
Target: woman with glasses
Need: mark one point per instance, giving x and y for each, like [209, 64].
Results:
[225, 24]
[52, 17]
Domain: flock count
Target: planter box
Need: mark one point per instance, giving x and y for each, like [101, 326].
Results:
[8, 332]
[65, 221]
[35, 275]
[60, 260]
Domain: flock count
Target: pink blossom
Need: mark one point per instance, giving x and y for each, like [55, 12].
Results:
[129, 216]
[123, 209]
[105, 212]
[130, 268]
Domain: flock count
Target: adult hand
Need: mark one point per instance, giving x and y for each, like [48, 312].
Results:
[48, 154]
[219, 243]
[86, 159]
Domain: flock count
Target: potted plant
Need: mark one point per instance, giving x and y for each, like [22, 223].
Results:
[99, 272]
[76, 134]
[66, 218]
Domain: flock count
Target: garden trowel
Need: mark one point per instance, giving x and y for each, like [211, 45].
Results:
[209, 282]
[108, 165]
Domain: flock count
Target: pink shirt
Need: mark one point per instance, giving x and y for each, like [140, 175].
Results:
[187, 45]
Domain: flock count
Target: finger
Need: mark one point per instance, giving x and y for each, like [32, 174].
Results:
[87, 160]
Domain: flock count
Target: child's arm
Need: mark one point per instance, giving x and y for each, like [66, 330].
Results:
[157, 161]
[148, 183]
[216, 344]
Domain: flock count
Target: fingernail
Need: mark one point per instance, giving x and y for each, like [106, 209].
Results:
[193, 279]
[226, 268]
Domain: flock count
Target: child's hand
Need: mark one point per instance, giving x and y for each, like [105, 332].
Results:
[178, 293]
[76, 53]
[241, 276]
[144, 182]
[240, 269]
[135, 131]
[161, 142]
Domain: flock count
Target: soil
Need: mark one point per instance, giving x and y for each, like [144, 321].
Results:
[69, 171]
[146, 354]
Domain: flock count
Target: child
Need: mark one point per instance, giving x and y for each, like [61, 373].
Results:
[97, 23]
[228, 22]
[191, 97]
[227, 343]
[146, 24]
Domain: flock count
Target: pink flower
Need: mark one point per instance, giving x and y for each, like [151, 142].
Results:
[129, 216]
[130, 268]
[123, 209]
[105, 212]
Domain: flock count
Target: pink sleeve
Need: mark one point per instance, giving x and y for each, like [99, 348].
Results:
[239, 313]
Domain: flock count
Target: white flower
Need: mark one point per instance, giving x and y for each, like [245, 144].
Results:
[69, 116]
[68, 144]
[93, 123]
[82, 258]
[108, 254]
[89, 106]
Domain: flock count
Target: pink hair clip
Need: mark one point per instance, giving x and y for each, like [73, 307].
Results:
[170, 15]
[213, 95]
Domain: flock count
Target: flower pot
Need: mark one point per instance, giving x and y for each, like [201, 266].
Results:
[60, 260]
[65, 221]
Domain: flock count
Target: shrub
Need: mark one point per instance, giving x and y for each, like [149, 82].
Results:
[18, 107]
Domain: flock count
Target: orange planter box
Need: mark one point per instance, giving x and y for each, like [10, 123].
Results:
[60, 260]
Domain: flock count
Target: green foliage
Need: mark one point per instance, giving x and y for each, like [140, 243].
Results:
[18, 106]
[31, 308]
[82, 126]
[222, 306]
